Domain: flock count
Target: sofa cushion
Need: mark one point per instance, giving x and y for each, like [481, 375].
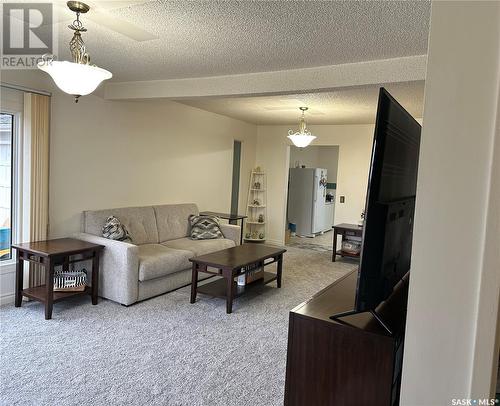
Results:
[156, 260]
[200, 247]
[172, 220]
[139, 221]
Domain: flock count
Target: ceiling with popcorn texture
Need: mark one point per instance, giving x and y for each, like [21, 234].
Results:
[343, 106]
[213, 38]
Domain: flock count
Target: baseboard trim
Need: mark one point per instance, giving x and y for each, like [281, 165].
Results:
[8, 298]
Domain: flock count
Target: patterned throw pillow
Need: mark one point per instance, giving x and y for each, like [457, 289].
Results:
[113, 229]
[204, 227]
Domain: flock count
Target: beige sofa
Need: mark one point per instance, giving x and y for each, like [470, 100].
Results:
[157, 259]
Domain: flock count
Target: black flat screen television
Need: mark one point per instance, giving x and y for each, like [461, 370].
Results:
[390, 205]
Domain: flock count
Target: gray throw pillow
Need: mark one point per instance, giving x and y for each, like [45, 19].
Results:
[113, 229]
[205, 227]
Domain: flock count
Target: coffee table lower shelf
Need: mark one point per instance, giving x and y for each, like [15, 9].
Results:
[40, 293]
[218, 288]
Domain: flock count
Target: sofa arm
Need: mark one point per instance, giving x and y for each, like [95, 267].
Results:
[231, 232]
[118, 269]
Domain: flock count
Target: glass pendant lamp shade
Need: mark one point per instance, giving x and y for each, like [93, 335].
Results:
[76, 79]
[301, 140]
[303, 137]
[80, 77]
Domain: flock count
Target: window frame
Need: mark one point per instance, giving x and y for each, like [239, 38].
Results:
[16, 157]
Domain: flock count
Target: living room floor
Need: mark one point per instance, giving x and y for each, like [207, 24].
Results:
[161, 351]
[322, 242]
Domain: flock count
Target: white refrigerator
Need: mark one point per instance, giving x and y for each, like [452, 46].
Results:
[307, 206]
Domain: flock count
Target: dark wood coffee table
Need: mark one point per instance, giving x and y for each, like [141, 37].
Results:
[229, 263]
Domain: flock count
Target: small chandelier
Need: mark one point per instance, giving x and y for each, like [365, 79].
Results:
[79, 77]
[303, 137]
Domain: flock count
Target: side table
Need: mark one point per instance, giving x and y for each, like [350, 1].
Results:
[345, 230]
[50, 254]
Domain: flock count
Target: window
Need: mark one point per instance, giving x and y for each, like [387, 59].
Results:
[6, 143]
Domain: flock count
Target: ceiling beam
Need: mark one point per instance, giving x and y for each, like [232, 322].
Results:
[321, 78]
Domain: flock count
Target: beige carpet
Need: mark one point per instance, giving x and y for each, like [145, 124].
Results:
[164, 351]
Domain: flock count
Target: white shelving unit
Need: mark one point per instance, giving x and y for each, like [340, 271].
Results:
[255, 230]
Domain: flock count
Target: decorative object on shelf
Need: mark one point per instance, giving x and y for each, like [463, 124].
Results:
[75, 281]
[252, 273]
[303, 137]
[351, 247]
[79, 77]
[255, 228]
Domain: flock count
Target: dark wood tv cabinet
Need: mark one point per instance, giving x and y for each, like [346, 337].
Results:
[353, 362]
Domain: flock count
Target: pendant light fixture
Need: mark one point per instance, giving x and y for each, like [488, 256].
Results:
[303, 137]
[79, 77]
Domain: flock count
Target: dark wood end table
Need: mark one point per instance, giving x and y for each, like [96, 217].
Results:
[233, 218]
[50, 254]
[345, 230]
[230, 263]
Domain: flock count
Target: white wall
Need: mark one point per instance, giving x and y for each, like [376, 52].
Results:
[317, 157]
[111, 154]
[116, 153]
[453, 299]
[355, 143]
[304, 156]
[329, 159]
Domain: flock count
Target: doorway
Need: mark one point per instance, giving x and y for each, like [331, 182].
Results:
[235, 184]
[312, 185]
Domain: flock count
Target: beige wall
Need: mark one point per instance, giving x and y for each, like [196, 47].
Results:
[453, 301]
[355, 143]
[317, 156]
[112, 154]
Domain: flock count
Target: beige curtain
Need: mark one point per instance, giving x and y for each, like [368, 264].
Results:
[37, 117]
